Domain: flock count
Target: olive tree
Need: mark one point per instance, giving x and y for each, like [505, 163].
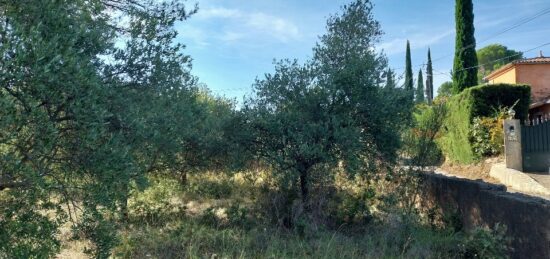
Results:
[88, 90]
[333, 111]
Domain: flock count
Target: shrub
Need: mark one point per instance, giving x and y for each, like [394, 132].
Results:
[210, 218]
[279, 208]
[355, 207]
[487, 136]
[484, 243]
[480, 101]
[234, 215]
[420, 146]
[489, 99]
[38, 240]
[214, 188]
[153, 205]
[238, 215]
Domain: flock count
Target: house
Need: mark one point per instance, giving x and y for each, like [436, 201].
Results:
[531, 71]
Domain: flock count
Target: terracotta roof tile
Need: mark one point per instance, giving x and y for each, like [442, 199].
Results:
[537, 60]
[527, 61]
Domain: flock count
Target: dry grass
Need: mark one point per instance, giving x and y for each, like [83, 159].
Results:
[71, 249]
[210, 228]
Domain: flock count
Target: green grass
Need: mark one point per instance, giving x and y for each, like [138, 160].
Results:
[236, 229]
[190, 239]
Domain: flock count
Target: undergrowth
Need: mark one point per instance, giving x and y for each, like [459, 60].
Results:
[239, 229]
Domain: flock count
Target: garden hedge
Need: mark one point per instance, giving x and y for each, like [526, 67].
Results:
[478, 101]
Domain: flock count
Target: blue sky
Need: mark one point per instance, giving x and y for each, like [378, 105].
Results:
[234, 41]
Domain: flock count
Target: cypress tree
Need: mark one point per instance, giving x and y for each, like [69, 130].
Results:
[429, 79]
[408, 69]
[465, 62]
[420, 88]
[390, 79]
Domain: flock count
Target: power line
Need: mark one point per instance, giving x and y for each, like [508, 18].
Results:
[521, 22]
[526, 20]
[490, 62]
[437, 71]
[496, 60]
[442, 73]
[518, 24]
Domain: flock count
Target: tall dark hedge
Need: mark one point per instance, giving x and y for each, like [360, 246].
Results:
[420, 88]
[429, 79]
[479, 101]
[409, 83]
[487, 98]
[465, 62]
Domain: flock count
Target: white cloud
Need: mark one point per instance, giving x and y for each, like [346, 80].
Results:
[488, 22]
[419, 40]
[218, 12]
[231, 36]
[195, 34]
[237, 25]
[278, 27]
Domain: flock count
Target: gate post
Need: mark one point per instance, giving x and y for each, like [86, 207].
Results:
[512, 144]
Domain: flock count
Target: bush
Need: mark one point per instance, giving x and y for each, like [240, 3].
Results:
[487, 136]
[234, 215]
[355, 208]
[420, 146]
[238, 215]
[480, 101]
[211, 187]
[153, 206]
[488, 99]
[485, 243]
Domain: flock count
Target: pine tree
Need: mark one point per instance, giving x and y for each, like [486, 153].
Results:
[409, 84]
[420, 88]
[390, 79]
[429, 80]
[465, 62]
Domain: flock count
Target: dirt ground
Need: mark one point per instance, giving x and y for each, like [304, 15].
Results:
[473, 172]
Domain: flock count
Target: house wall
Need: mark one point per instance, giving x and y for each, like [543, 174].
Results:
[537, 76]
[507, 77]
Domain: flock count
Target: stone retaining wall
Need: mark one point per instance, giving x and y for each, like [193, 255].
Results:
[481, 204]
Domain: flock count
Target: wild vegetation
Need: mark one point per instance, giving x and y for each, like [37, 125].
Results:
[107, 136]
[493, 57]
[473, 128]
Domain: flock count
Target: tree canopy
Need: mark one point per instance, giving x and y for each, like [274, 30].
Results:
[97, 96]
[445, 89]
[390, 79]
[494, 56]
[90, 105]
[333, 110]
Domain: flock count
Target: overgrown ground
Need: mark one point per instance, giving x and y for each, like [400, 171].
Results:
[218, 216]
